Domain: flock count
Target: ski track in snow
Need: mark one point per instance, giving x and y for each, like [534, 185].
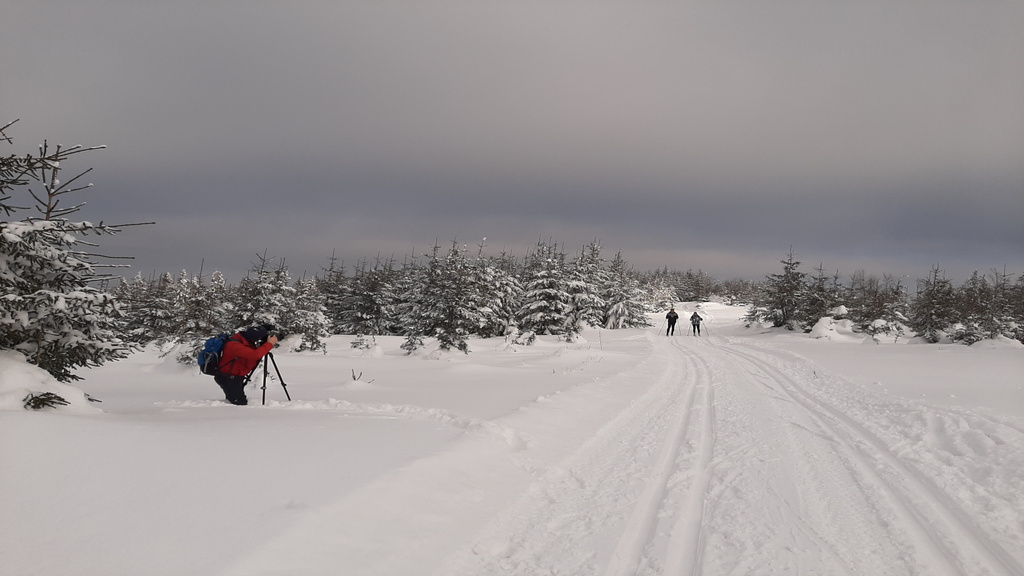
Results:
[714, 456]
[943, 539]
[735, 461]
[593, 501]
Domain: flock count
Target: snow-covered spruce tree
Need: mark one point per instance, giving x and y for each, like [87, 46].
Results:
[199, 311]
[822, 295]
[783, 296]
[307, 316]
[496, 294]
[222, 309]
[1000, 320]
[738, 290]
[195, 308]
[334, 285]
[369, 307]
[858, 296]
[132, 298]
[876, 305]
[660, 290]
[1016, 297]
[51, 310]
[546, 300]
[409, 286]
[158, 316]
[984, 309]
[446, 305]
[657, 294]
[695, 286]
[894, 306]
[933, 312]
[623, 296]
[264, 296]
[585, 279]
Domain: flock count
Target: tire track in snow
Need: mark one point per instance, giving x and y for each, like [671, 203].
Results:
[959, 546]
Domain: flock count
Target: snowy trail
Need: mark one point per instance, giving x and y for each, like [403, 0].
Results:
[683, 545]
[730, 465]
[602, 509]
[943, 538]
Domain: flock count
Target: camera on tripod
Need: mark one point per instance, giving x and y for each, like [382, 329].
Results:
[271, 330]
[268, 331]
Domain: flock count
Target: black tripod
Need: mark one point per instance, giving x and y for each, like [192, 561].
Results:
[266, 370]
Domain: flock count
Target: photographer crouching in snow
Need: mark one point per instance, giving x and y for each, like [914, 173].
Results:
[242, 353]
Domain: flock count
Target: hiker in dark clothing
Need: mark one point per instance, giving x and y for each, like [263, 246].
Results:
[671, 317]
[695, 322]
[242, 353]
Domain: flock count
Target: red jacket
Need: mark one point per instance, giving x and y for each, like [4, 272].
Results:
[240, 357]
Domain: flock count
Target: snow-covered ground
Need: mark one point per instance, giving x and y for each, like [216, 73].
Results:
[745, 451]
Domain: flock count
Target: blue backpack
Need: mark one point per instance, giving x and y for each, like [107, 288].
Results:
[210, 356]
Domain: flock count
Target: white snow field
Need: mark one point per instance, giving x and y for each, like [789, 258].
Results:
[744, 451]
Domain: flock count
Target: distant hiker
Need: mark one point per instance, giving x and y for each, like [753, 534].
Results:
[695, 322]
[671, 317]
[242, 353]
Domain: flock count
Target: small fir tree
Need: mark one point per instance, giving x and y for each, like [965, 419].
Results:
[783, 296]
[370, 305]
[933, 311]
[308, 317]
[495, 296]
[586, 277]
[821, 296]
[546, 299]
[623, 296]
[337, 291]
[264, 296]
[51, 310]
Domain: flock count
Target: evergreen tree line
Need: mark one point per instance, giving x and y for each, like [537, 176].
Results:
[451, 296]
[57, 311]
[672, 286]
[984, 306]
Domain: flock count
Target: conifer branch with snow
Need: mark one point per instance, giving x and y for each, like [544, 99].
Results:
[51, 311]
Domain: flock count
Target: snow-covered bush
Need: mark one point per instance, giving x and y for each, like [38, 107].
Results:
[413, 342]
[364, 342]
[886, 330]
[522, 338]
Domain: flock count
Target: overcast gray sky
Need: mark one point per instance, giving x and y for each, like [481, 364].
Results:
[883, 136]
